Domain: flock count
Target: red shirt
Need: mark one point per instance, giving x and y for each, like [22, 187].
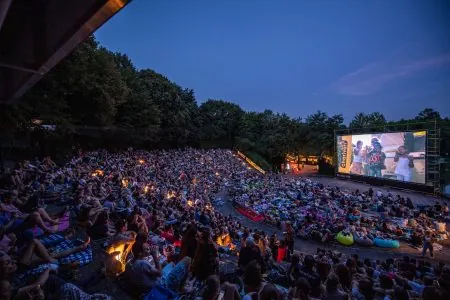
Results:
[168, 235]
[281, 254]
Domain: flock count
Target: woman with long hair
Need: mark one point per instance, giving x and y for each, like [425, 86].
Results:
[205, 258]
[189, 241]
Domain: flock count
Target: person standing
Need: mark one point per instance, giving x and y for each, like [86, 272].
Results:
[404, 164]
[428, 244]
[375, 159]
[289, 239]
[356, 167]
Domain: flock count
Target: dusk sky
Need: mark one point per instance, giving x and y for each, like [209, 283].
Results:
[295, 57]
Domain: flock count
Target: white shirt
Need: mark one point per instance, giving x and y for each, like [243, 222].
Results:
[357, 158]
[402, 167]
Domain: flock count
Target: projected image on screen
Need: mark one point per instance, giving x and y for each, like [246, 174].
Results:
[397, 156]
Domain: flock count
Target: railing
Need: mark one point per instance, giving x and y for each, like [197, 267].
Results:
[250, 162]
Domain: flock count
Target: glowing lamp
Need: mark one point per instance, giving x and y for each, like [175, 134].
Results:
[117, 256]
[190, 203]
[146, 189]
[124, 182]
[141, 161]
[217, 174]
[97, 173]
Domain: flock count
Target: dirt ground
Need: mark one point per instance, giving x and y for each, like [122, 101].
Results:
[417, 198]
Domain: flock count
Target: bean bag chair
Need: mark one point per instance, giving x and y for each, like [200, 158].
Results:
[382, 243]
[344, 239]
[363, 241]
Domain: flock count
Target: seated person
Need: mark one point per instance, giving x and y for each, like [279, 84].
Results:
[137, 223]
[100, 227]
[9, 289]
[141, 276]
[294, 269]
[168, 233]
[23, 221]
[34, 252]
[254, 286]
[249, 253]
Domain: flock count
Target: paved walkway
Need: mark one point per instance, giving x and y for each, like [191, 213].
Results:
[416, 197]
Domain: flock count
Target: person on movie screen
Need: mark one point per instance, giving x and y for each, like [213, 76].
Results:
[356, 167]
[405, 163]
[375, 159]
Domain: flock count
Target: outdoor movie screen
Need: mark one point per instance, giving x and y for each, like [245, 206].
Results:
[395, 155]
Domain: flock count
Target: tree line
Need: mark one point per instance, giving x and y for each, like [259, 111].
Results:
[98, 98]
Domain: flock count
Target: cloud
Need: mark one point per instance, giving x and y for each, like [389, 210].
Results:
[376, 76]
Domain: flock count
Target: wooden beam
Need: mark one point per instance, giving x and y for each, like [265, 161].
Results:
[78, 34]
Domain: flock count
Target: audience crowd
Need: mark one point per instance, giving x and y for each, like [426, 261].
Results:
[321, 213]
[160, 236]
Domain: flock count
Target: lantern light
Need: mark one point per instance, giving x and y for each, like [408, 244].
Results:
[97, 173]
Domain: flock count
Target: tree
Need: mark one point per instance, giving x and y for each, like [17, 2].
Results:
[220, 120]
[321, 129]
[428, 114]
[84, 89]
[272, 135]
[362, 120]
[140, 114]
[177, 106]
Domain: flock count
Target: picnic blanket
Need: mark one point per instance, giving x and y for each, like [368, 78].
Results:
[252, 215]
[82, 257]
[36, 231]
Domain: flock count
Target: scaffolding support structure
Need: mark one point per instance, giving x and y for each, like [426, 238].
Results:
[433, 168]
